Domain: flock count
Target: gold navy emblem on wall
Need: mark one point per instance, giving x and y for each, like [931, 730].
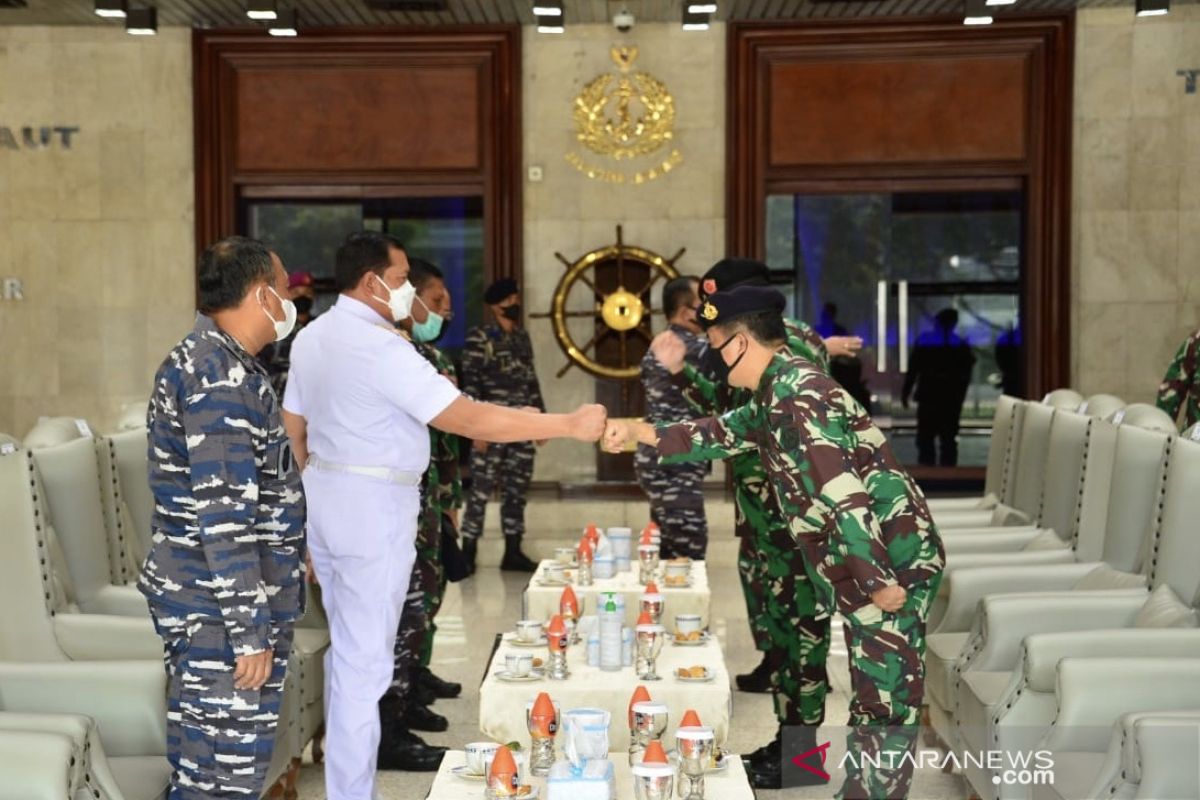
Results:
[626, 117]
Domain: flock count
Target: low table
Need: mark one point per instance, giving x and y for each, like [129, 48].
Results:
[541, 602]
[728, 784]
[502, 703]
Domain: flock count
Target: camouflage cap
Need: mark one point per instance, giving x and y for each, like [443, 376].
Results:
[724, 307]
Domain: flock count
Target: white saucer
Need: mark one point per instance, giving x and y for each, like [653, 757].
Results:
[535, 675]
[709, 677]
[515, 642]
[547, 582]
[686, 585]
[461, 772]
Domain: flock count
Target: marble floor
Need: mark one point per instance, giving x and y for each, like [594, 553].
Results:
[490, 602]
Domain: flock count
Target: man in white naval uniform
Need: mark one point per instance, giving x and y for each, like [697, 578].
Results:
[358, 400]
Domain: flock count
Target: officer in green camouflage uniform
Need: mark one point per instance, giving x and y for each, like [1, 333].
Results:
[1182, 382]
[414, 686]
[869, 543]
[788, 625]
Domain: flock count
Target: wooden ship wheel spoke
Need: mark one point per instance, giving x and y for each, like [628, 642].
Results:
[612, 286]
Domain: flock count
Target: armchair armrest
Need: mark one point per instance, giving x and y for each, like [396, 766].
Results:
[1006, 620]
[127, 699]
[1093, 693]
[1043, 651]
[990, 530]
[100, 637]
[36, 765]
[121, 601]
[1003, 540]
[1161, 753]
[964, 588]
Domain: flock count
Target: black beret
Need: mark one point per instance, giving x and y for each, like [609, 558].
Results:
[724, 307]
[730, 272]
[499, 290]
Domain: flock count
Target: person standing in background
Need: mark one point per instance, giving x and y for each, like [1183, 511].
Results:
[940, 367]
[675, 492]
[277, 356]
[225, 575]
[1180, 387]
[497, 367]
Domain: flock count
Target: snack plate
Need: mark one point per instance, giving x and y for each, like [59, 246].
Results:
[709, 677]
[722, 762]
[703, 640]
[689, 583]
[551, 582]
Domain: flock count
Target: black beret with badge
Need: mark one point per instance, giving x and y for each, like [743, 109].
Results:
[724, 307]
[499, 291]
[730, 272]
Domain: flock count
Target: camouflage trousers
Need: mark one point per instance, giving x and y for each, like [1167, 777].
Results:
[511, 467]
[887, 678]
[434, 585]
[219, 738]
[752, 515]
[798, 632]
[414, 617]
[676, 497]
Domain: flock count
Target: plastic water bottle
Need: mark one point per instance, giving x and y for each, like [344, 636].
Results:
[593, 650]
[610, 637]
[627, 646]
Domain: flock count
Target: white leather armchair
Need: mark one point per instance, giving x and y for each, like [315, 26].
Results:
[1149, 756]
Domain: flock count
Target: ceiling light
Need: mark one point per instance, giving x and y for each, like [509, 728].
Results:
[695, 22]
[1153, 8]
[1001, 2]
[261, 9]
[113, 9]
[286, 24]
[977, 13]
[142, 21]
[701, 8]
[548, 8]
[551, 29]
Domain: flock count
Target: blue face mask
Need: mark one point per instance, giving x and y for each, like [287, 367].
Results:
[431, 328]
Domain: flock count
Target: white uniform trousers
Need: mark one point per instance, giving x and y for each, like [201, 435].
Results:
[362, 537]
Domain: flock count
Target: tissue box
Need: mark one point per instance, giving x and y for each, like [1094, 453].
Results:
[597, 782]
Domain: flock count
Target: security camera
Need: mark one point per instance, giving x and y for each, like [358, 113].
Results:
[623, 20]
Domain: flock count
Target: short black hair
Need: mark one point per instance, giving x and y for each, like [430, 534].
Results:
[362, 252]
[227, 269]
[676, 293]
[765, 327]
[421, 272]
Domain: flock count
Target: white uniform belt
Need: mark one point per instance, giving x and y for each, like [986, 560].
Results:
[379, 473]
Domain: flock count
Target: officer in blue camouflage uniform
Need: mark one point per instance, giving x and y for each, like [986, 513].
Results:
[675, 491]
[225, 576]
[498, 368]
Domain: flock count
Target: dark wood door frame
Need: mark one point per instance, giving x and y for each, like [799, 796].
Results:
[1047, 44]
[492, 50]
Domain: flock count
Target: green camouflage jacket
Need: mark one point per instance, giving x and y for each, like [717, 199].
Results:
[711, 397]
[443, 480]
[860, 519]
[1183, 381]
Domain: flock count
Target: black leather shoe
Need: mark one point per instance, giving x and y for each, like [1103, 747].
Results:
[469, 548]
[771, 750]
[766, 774]
[516, 561]
[757, 681]
[404, 750]
[444, 690]
[422, 694]
[423, 718]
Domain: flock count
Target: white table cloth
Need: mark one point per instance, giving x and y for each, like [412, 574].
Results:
[541, 602]
[728, 784]
[502, 703]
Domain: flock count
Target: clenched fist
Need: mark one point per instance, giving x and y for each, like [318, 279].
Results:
[587, 424]
[890, 598]
[617, 436]
[669, 350]
[843, 345]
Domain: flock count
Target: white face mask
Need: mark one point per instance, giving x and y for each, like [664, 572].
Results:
[285, 326]
[399, 301]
